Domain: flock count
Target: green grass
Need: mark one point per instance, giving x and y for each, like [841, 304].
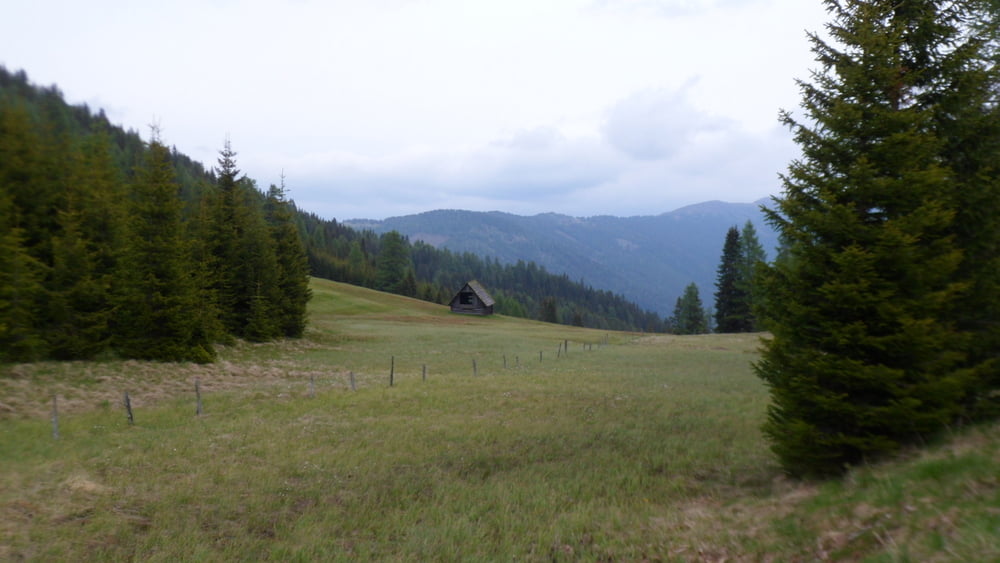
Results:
[645, 448]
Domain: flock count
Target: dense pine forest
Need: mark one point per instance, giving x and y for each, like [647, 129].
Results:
[112, 244]
[109, 244]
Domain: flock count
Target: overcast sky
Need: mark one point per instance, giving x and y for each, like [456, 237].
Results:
[376, 108]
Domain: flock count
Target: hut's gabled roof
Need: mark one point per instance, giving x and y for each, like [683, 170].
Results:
[481, 292]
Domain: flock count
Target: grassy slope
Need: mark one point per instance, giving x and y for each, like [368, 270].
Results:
[644, 448]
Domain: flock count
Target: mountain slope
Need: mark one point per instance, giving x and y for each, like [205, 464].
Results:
[648, 259]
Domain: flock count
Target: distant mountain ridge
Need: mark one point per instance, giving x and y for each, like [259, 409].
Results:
[647, 259]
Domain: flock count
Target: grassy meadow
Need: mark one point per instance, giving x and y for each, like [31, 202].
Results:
[622, 447]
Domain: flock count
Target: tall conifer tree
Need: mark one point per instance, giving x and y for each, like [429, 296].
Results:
[732, 313]
[243, 267]
[84, 253]
[866, 355]
[160, 314]
[24, 203]
[21, 291]
[293, 264]
[257, 272]
[752, 258]
[689, 313]
[393, 263]
[227, 226]
[549, 310]
[966, 107]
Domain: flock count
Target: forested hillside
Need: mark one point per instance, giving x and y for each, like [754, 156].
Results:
[112, 244]
[340, 253]
[649, 259]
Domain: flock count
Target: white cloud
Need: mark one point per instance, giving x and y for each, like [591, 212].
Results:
[657, 124]
[658, 153]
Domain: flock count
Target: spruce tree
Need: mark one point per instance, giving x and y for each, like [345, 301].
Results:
[77, 309]
[392, 263]
[25, 204]
[21, 291]
[293, 265]
[32, 171]
[257, 277]
[242, 264]
[408, 285]
[865, 355]
[84, 253]
[225, 232]
[732, 313]
[549, 311]
[689, 313]
[160, 314]
[967, 117]
[752, 258]
[358, 266]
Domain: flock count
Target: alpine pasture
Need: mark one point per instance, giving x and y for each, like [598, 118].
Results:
[498, 439]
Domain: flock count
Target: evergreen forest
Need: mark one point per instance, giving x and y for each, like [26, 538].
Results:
[110, 244]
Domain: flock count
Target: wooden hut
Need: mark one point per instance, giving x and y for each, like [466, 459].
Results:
[472, 299]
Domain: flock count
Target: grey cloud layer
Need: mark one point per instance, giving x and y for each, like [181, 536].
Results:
[399, 106]
[656, 151]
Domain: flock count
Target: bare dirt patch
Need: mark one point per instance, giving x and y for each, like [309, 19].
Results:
[83, 484]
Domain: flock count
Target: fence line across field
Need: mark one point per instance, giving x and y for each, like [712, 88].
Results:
[311, 392]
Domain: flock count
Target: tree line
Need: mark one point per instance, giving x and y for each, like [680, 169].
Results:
[739, 296]
[109, 244]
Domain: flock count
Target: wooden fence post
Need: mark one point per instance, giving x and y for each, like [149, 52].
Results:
[475, 369]
[392, 370]
[312, 387]
[423, 374]
[350, 375]
[128, 409]
[55, 418]
[505, 361]
[197, 395]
